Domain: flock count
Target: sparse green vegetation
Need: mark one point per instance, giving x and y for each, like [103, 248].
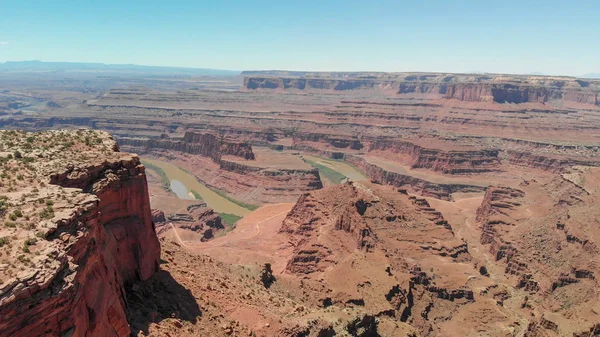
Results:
[163, 176]
[47, 213]
[3, 204]
[29, 242]
[237, 202]
[4, 241]
[329, 174]
[229, 220]
[196, 195]
[23, 259]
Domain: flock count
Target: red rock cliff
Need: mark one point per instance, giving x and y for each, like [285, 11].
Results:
[519, 93]
[418, 185]
[90, 247]
[464, 87]
[205, 144]
[451, 162]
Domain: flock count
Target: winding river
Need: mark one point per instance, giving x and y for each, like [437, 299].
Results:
[182, 183]
[338, 166]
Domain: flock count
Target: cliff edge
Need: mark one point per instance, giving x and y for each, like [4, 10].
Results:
[75, 229]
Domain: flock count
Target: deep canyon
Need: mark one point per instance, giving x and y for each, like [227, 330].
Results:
[306, 204]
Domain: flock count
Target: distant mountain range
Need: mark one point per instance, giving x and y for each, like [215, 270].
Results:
[39, 66]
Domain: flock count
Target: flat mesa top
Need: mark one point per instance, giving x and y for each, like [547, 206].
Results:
[43, 153]
[30, 205]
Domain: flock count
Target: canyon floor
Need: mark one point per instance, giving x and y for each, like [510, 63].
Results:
[329, 204]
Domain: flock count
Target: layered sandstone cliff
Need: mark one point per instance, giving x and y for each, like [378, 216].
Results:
[549, 162]
[418, 185]
[494, 215]
[464, 87]
[338, 142]
[541, 236]
[307, 83]
[77, 230]
[374, 249]
[521, 93]
[450, 162]
[205, 144]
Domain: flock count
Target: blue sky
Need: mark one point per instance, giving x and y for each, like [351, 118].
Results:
[551, 36]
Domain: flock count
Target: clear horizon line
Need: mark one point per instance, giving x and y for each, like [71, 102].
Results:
[533, 73]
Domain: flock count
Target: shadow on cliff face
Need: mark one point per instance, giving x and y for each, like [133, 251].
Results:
[158, 298]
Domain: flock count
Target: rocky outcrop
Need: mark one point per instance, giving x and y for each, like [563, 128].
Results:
[89, 247]
[204, 221]
[213, 146]
[520, 93]
[450, 162]
[158, 216]
[321, 153]
[492, 215]
[345, 235]
[310, 178]
[307, 83]
[410, 87]
[204, 144]
[423, 187]
[550, 163]
[305, 220]
[337, 142]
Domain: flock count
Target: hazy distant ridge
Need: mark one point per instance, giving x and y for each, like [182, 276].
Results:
[39, 66]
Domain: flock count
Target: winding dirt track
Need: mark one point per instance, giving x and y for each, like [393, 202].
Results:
[177, 235]
[256, 238]
[210, 244]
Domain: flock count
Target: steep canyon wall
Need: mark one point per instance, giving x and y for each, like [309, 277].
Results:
[90, 247]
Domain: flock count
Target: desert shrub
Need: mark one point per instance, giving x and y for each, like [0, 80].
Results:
[47, 213]
[4, 241]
